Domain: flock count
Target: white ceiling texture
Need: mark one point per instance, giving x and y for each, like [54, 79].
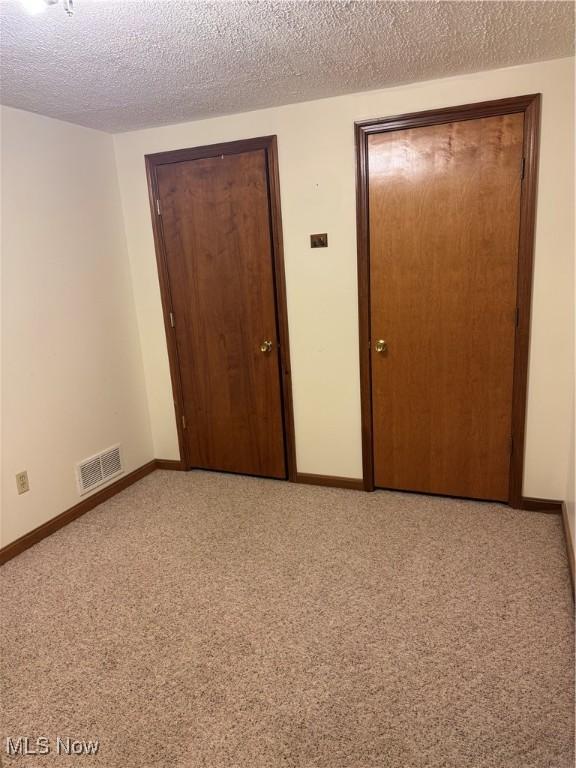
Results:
[119, 65]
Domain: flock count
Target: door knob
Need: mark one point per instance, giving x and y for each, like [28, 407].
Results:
[381, 346]
[266, 346]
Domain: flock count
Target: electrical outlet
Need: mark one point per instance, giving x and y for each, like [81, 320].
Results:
[22, 483]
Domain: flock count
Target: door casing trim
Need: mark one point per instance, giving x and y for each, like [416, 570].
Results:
[530, 106]
[270, 146]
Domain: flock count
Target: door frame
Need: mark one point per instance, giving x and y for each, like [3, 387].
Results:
[153, 162]
[530, 106]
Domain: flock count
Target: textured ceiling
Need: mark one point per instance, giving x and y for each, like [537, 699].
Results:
[118, 65]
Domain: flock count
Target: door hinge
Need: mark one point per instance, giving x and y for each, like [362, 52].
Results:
[158, 209]
[172, 322]
[523, 168]
[183, 421]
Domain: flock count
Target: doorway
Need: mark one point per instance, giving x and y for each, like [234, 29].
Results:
[446, 204]
[217, 229]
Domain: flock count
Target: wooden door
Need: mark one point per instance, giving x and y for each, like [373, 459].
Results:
[444, 213]
[216, 232]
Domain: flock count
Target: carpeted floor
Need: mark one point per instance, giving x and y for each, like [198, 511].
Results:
[214, 621]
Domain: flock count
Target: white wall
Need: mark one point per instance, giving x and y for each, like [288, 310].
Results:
[570, 496]
[316, 153]
[73, 381]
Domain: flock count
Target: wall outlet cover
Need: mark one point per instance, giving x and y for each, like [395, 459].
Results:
[22, 483]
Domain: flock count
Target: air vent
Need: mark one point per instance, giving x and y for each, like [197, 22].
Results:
[98, 469]
[111, 464]
[89, 474]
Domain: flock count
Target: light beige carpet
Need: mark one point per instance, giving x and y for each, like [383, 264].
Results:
[205, 620]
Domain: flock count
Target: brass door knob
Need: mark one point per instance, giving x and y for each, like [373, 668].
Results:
[381, 346]
[266, 346]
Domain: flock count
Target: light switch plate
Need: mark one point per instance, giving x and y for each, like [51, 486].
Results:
[319, 241]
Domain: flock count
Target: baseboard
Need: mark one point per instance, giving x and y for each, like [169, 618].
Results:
[331, 481]
[569, 544]
[173, 464]
[541, 505]
[50, 526]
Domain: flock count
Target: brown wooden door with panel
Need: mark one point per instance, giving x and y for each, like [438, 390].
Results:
[216, 232]
[444, 212]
